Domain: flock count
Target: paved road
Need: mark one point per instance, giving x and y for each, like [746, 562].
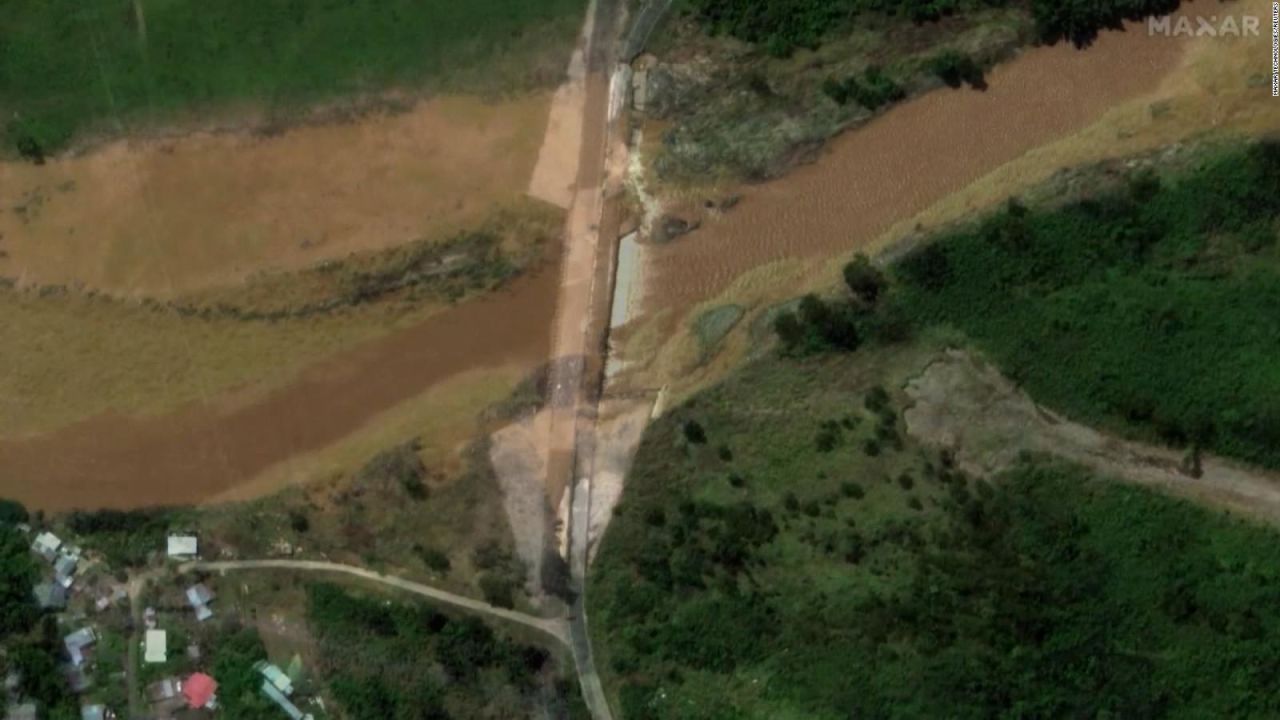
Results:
[555, 627]
[581, 299]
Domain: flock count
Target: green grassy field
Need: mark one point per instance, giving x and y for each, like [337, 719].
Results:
[69, 66]
[1152, 309]
[793, 556]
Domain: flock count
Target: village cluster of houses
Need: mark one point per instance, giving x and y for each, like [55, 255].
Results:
[173, 697]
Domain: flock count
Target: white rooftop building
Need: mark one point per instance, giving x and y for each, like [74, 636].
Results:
[46, 546]
[155, 646]
[183, 547]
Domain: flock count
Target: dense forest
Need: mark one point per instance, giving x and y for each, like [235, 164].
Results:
[784, 25]
[1153, 309]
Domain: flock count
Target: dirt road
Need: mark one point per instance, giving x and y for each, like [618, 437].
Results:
[968, 406]
[554, 627]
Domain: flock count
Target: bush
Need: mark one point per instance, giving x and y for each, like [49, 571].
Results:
[12, 512]
[694, 433]
[864, 280]
[399, 467]
[499, 590]
[873, 90]
[434, 559]
[852, 490]
[955, 69]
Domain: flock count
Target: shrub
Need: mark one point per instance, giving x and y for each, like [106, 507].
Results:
[694, 433]
[864, 280]
[955, 69]
[401, 467]
[852, 490]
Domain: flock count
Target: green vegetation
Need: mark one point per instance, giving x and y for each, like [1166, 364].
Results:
[72, 65]
[396, 661]
[239, 684]
[818, 325]
[826, 583]
[873, 90]
[1153, 309]
[956, 69]
[781, 26]
[125, 537]
[400, 466]
[18, 573]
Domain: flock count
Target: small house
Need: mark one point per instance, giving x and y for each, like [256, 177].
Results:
[46, 546]
[25, 711]
[200, 596]
[64, 570]
[50, 596]
[200, 690]
[285, 704]
[78, 644]
[77, 679]
[183, 547]
[155, 646]
[94, 712]
[275, 676]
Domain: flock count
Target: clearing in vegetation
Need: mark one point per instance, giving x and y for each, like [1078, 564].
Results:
[109, 66]
[1152, 308]
[783, 550]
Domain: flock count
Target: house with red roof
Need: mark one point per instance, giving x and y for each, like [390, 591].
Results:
[199, 690]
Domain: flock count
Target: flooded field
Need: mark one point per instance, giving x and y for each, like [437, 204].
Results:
[206, 449]
[907, 159]
[158, 217]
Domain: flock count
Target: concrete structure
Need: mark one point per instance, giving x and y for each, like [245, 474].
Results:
[94, 712]
[156, 646]
[285, 704]
[200, 596]
[64, 570]
[46, 546]
[50, 596]
[78, 644]
[275, 676]
[183, 547]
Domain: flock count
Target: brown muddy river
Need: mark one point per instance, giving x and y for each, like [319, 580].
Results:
[909, 158]
[201, 451]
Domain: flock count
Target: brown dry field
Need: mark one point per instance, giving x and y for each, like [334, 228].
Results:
[160, 217]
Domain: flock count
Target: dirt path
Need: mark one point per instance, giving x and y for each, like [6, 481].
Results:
[963, 404]
[555, 627]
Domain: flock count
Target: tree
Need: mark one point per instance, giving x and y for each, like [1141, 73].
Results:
[865, 281]
[694, 432]
[18, 572]
[956, 69]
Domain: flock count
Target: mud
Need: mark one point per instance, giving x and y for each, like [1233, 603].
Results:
[909, 158]
[203, 450]
[159, 217]
[968, 407]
